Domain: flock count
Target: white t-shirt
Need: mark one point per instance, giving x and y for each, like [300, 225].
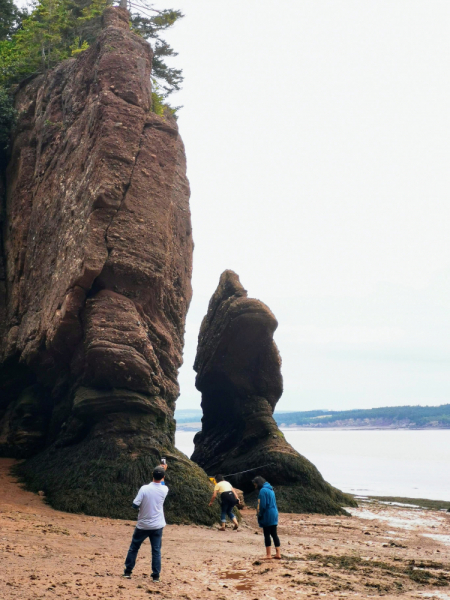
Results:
[150, 500]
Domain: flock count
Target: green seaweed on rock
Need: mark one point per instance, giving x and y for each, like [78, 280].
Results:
[101, 475]
[304, 499]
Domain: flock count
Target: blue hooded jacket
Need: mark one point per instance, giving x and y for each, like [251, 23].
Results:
[268, 511]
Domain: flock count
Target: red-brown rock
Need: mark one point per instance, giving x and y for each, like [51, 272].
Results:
[98, 260]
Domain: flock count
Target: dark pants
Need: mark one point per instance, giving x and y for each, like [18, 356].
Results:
[271, 531]
[139, 536]
[227, 509]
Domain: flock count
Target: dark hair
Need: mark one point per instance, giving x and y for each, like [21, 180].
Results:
[218, 478]
[259, 481]
[158, 473]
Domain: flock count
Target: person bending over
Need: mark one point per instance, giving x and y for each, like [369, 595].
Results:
[267, 513]
[150, 524]
[228, 499]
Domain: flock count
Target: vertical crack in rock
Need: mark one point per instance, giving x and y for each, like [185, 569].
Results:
[239, 375]
[127, 187]
[98, 252]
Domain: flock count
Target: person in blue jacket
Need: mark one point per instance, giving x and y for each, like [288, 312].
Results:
[267, 513]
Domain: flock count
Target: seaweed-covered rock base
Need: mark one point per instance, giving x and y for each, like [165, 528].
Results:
[99, 475]
[239, 375]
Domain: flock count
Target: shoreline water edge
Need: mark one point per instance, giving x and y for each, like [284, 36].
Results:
[197, 427]
[381, 463]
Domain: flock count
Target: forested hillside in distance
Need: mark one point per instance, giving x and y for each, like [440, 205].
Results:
[389, 416]
[408, 417]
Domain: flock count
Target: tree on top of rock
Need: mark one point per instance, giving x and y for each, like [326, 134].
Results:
[58, 29]
[149, 23]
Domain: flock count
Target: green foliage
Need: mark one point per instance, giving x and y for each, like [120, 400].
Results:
[150, 28]
[39, 44]
[7, 120]
[78, 46]
[158, 104]
[54, 31]
[10, 19]
[59, 29]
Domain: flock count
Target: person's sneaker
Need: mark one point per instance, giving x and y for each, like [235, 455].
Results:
[156, 579]
[127, 574]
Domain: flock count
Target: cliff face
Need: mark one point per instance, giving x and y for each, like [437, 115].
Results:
[239, 375]
[98, 260]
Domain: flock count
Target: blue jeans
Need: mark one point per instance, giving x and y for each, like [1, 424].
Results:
[139, 536]
[227, 509]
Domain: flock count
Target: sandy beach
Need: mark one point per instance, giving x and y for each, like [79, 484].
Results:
[382, 550]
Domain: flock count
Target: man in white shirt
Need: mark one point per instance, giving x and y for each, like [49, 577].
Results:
[150, 524]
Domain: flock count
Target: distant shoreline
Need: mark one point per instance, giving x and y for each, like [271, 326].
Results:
[383, 418]
[198, 426]
[360, 428]
[420, 503]
[189, 427]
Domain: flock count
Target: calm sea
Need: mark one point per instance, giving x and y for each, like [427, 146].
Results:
[412, 464]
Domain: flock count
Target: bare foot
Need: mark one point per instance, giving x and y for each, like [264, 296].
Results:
[277, 557]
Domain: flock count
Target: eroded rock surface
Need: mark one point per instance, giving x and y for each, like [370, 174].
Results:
[98, 259]
[239, 375]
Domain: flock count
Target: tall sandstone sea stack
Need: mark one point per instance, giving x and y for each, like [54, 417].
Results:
[239, 375]
[96, 283]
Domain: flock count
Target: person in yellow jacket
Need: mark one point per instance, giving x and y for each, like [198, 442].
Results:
[228, 499]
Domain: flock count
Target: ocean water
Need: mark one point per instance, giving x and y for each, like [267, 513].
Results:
[411, 464]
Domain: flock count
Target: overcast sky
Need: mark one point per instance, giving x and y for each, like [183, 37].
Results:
[317, 138]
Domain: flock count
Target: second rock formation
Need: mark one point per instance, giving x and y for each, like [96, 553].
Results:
[239, 375]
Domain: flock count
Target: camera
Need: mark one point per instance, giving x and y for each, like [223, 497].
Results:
[163, 461]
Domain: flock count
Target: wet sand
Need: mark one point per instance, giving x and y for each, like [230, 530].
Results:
[389, 551]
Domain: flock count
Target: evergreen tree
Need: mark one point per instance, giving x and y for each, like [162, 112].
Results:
[7, 119]
[150, 27]
[58, 29]
[10, 19]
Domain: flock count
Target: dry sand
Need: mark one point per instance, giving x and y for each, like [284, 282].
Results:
[380, 551]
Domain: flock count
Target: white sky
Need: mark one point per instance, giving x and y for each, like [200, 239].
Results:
[317, 137]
